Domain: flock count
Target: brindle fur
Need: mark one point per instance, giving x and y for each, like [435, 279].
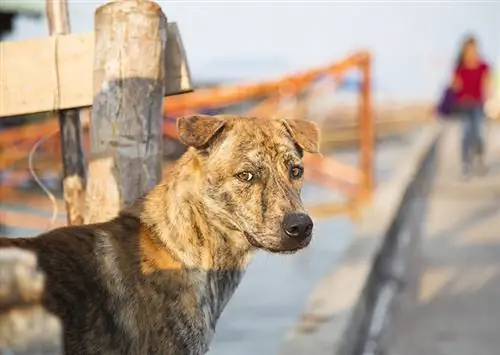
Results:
[155, 279]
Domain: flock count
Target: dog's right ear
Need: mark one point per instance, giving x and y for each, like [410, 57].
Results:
[196, 131]
[305, 133]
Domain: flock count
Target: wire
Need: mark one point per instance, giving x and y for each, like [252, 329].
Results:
[49, 194]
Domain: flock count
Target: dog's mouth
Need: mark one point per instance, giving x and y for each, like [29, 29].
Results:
[285, 250]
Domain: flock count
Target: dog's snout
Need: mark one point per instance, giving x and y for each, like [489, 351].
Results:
[298, 225]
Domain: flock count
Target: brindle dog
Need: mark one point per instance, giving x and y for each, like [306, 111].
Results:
[155, 279]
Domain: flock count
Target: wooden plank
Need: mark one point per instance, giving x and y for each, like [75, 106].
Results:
[30, 77]
[178, 74]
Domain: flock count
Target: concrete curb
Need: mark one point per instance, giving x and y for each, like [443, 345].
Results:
[342, 303]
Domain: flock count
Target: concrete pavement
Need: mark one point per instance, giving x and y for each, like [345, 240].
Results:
[452, 304]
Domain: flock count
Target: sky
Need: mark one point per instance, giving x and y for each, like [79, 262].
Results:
[413, 42]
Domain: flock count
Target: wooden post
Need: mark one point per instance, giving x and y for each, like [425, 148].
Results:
[25, 326]
[126, 124]
[74, 170]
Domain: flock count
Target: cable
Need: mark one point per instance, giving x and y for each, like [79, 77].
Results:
[49, 194]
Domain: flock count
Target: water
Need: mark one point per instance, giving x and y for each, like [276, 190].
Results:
[272, 292]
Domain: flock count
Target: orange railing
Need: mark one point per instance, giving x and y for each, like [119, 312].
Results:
[355, 182]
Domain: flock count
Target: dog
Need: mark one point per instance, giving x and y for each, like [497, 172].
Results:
[155, 279]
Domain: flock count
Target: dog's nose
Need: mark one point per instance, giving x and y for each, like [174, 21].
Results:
[298, 225]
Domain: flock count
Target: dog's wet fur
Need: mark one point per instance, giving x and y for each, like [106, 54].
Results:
[155, 279]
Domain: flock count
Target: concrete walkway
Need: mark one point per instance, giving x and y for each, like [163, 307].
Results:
[452, 305]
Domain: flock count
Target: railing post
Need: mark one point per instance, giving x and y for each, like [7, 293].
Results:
[74, 169]
[126, 125]
[367, 129]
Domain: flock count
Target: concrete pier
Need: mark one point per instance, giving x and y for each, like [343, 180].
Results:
[452, 303]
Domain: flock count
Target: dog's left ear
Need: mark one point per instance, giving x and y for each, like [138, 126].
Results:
[305, 134]
[196, 131]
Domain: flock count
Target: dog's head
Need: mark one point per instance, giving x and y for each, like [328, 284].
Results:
[252, 173]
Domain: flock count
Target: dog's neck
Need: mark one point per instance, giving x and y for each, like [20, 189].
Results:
[201, 238]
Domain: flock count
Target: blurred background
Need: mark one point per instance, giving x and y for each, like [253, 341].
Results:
[414, 42]
[413, 47]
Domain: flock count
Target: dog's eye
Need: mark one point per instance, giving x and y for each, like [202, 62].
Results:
[245, 176]
[296, 172]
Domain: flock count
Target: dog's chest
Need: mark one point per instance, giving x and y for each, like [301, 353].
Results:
[193, 328]
[216, 293]
[167, 323]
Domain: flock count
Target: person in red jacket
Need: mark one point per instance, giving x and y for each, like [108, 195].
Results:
[471, 82]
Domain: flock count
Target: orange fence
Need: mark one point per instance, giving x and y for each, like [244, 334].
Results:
[355, 182]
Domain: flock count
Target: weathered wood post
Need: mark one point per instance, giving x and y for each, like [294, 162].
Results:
[74, 169]
[126, 125]
[26, 328]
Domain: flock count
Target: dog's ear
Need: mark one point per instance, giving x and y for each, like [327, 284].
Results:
[305, 134]
[196, 131]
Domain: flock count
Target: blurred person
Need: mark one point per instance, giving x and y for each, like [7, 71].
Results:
[471, 88]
